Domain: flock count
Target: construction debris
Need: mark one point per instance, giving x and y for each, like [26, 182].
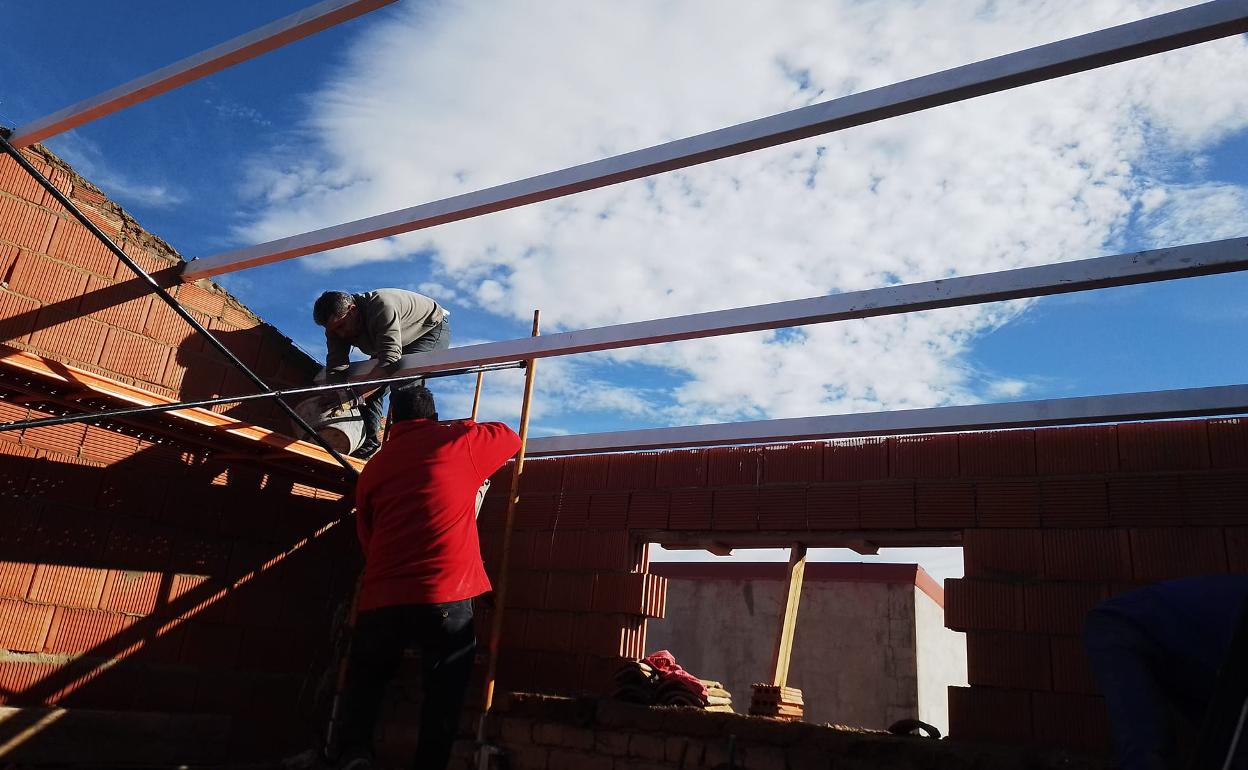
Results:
[777, 702]
[660, 681]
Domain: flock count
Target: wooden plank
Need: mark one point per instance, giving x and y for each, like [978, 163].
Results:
[788, 622]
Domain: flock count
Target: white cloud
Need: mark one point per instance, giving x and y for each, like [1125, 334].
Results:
[1198, 212]
[450, 97]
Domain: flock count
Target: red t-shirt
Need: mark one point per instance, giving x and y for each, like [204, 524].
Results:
[416, 511]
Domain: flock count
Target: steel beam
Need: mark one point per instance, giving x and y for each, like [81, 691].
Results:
[1102, 272]
[259, 41]
[1165, 32]
[1160, 404]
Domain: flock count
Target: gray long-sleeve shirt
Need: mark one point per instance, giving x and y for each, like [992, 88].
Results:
[390, 320]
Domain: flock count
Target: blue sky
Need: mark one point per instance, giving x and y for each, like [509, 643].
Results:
[423, 100]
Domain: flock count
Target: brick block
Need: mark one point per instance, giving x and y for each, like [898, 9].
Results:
[923, 456]
[17, 317]
[1003, 553]
[1074, 502]
[573, 591]
[14, 179]
[24, 626]
[886, 505]
[733, 466]
[164, 325]
[64, 439]
[690, 509]
[1077, 450]
[982, 713]
[1165, 553]
[793, 463]
[48, 281]
[612, 550]
[566, 548]
[630, 594]
[211, 303]
[24, 683]
[782, 508]
[1071, 670]
[634, 470]
[67, 534]
[586, 473]
[65, 335]
[1142, 501]
[135, 592]
[859, 459]
[548, 631]
[536, 511]
[542, 476]
[1077, 722]
[1007, 503]
[93, 632]
[1163, 446]
[573, 511]
[527, 589]
[734, 509]
[1087, 554]
[982, 605]
[107, 446]
[194, 375]
[15, 579]
[67, 586]
[833, 506]
[75, 244]
[134, 356]
[608, 510]
[1228, 442]
[1018, 661]
[26, 225]
[997, 453]
[1061, 608]
[940, 504]
[1214, 499]
[681, 468]
[124, 305]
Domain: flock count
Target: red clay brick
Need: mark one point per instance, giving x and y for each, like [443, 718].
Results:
[108, 446]
[608, 510]
[87, 631]
[134, 356]
[1163, 446]
[1217, 498]
[14, 179]
[681, 468]
[26, 225]
[1077, 450]
[1074, 502]
[984, 713]
[17, 317]
[24, 626]
[20, 682]
[923, 456]
[1007, 503]
[940, 504]
[78, 340]
[1165, 553]
[648, 510]
[782, 508]
[997, 453]
[886, 505]
[549, 631]
[1228, 442]
[1061, 608]
[1076, 722]
[15, 579]
[634, 470]
[210, 302]
[67, 586]
[1008, 660]
[572, 591]
[48, 281]
[690, 509]
[733, 466]
[573, 511]
[1003, 553]
[1087, 554]
[164, 325]
[124, 305]
[587, 473]
[607, 550]
[735, 509]
[1071, 670]
[64, 439]
[832, 506]
[983, 605]
[566, 549]
[793, 463]
[1142, 501]
[859, 459]
[536, 511]
[75, 244]
[541, 476]
[134, 592]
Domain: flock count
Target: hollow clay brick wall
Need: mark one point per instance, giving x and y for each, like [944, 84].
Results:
[137, 572]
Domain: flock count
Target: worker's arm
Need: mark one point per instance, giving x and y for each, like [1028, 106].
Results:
[491, 444]
[387, 334]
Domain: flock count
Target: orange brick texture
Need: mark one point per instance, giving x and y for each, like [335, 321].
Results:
[137, 570]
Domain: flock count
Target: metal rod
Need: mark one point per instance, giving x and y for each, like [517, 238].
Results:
[165, 297]
[133, 410]
[1153, 405]
[476, 395]
[247, 46]
[1164, 32]
[513, 497]
[1210, 258]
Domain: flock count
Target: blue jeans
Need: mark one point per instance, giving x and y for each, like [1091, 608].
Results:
[447, 640]
[437, 338]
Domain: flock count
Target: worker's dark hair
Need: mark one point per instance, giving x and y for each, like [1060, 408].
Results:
[330, 305]
[412, 403]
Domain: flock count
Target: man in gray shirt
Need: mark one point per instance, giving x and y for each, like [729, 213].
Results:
[384, 324]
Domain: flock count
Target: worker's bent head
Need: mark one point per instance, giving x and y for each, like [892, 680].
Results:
[336, 311]
[412, 403]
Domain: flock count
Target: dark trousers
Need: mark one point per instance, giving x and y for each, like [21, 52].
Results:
[437, 338]
[447, 640]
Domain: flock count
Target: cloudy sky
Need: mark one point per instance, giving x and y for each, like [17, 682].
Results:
[424, 100]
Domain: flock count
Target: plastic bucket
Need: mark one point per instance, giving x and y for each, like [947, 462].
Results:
[342, 427]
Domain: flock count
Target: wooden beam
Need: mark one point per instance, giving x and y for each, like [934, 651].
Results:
[788, 618]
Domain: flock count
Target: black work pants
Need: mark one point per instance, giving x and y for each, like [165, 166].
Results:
[447, 640]
[437, 338]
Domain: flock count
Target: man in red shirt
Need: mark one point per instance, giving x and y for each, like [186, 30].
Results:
[416, 519]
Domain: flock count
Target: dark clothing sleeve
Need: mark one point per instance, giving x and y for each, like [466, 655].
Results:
[387, 332]
[491, 444]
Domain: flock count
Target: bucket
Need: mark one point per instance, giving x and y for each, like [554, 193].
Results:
[340, 425]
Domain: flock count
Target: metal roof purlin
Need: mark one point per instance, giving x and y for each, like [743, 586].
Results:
[1165, 32]
[247, 46]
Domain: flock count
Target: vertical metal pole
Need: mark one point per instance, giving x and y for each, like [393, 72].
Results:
[500, 593]
[476, 396]
[167, 298]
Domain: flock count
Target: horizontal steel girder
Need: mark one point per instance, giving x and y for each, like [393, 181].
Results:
[1165, 32]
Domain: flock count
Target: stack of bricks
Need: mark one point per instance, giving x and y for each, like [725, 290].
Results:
[1102, 511]
[137, 572]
